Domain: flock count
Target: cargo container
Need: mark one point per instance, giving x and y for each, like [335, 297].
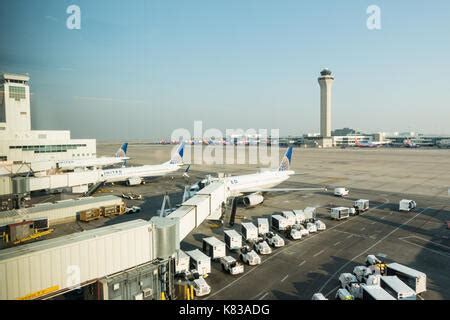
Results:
[214, 248]
[279, 222]
[200, 262]
[397, 288]
[416, 280]
[182, 262]
[263, 226]
[89, 215]
[20, 230]
[340, 213]
[374, 292]
[55, 265]
[361, 205]
[407, 205]
[299, 216]
[310, 214]
[249, 231]
[290, 217]
[233, 239]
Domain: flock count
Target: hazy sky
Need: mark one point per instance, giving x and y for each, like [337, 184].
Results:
[139, 69]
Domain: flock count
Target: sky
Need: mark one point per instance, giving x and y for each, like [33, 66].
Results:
[140, 69]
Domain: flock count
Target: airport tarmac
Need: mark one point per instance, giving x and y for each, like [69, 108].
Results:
[418, 239]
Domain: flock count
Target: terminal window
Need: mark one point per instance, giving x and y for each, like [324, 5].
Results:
[17, 93]
[2, 107]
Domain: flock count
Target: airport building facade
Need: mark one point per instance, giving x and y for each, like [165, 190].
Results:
[19, 143]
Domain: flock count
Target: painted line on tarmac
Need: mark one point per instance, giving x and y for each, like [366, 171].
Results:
[287, 247]
[302, 263]
[425, 248]
[364, 228]
[337, 243]
[319, 253]
[369, 248]
[282, 280]
[262, 298]
[332, 290]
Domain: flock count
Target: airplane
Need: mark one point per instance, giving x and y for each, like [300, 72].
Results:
[119, 157]
[408, 143]
[136, 175]
[251, 187]
[369, 144]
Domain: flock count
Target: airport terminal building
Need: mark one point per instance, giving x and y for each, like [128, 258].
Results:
[19, 143]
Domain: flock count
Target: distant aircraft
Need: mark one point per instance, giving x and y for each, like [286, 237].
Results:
[119, 157]
[370, 144]
[252, 186]
[136, 175]
[408, 143]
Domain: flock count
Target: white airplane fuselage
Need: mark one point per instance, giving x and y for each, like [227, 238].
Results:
[146, 171]
[96, 162]
[250, 183]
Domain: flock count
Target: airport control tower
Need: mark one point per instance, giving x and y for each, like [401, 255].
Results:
[326, 83]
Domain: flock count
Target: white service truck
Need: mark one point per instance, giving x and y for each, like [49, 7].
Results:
[407, 205]
[361, 205]
[311, 227]
[233, 239]
[416, 280]
[299, 216]
[200, 261]
[279, 222]
[341, 192]
[201, 287]
[320, 225]
[249, 231]
[230, 265]
[290, 217]
[182, 263]
[397, 288]
[214, 248]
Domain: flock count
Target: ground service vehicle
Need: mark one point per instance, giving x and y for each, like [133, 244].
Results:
[294, 233]
[346, 278]
[249, 231]
[230, 265]
[279, 222]
[343, 294]
[407, 205]
[290, 217]
[397, 288]
[416, 280]
[274, 240]
[182, 263]
[311, 227]
[318, 296]
[310, 214]
[320, 225]
[341, 192]
[263, 226]
[201, 287]
[375, 292]
[200, 261]
[361, 273]
[304, 232]
[249, 256]
[233, 239]
[340, 213]
[299, 216]
[361, 205]
[262, 247]
[214, 248]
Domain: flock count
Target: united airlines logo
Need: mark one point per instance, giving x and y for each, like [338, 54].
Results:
[284, 165]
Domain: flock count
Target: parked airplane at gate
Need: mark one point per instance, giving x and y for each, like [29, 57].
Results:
[252, 186]
[136, 175]
[370, 144]
[119, 157]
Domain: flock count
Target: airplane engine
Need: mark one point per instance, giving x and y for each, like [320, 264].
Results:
[253, 200]
[134, 181]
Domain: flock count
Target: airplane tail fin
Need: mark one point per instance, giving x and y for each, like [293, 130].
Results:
[177, 157]
[122, 152]
[286, 161]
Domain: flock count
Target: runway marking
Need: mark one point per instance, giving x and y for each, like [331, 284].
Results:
[369, 248]
[332, 290]
[425, 248]
[382, 218]
[420, 297]
[285, 248]
[337, 243]
[318, 253]
[302, 263]
[349, 236]
[350, 233]
[264, 296]
[362, 229]
[373, 222]
[282, 280]
[435, 243]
